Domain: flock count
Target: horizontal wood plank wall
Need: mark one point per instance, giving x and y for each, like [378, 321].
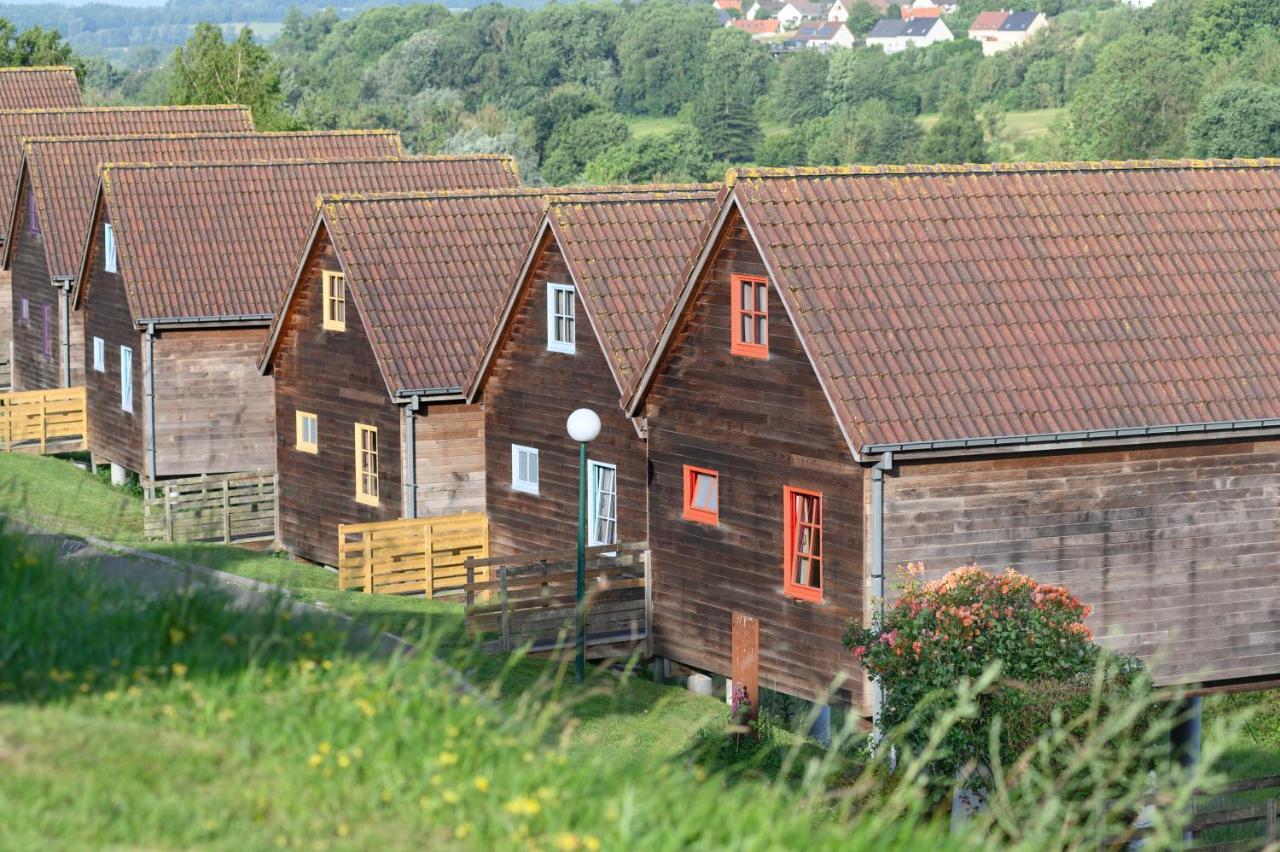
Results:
[1177, 549]
[215, 413]
[6, 329]
[449, 459]
[114, 435]
[762, 424]
[334, 376]
[32, 369]
[528, 398]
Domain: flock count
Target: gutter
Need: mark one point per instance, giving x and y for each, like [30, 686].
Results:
[442, 394]
[63, 283]
[219, 319]
[411, 458]
[877, 566]
[150, 391]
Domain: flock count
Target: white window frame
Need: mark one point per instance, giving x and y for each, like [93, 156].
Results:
[523, 484]
[126, 379]
[99, 355]
[300, 441]
[553, 343]
[593, 502]
[108, 248]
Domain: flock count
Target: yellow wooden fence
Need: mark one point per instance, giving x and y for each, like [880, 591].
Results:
[415, 556]
[32, 420]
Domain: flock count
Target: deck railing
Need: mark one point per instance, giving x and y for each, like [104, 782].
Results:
[415, 556]
[233, 508]
[531, 599]
[32, 421]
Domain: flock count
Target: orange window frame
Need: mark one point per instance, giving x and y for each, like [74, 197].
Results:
[738, 342]
[792, 527]
[695, 513]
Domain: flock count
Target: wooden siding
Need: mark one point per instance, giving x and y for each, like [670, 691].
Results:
[762, 424]
[449, 459]
[114, 435]
[1176, 549]
[334, 376]
[528, 397]
[32, 369]
[215, 413]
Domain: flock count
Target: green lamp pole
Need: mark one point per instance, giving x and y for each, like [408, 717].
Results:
[584, 427]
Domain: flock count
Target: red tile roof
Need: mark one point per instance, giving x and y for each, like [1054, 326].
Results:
[954, 303]
[232, 254]
[761, 26]
[39, 88]
[16, 125]
[64, 171]
[988, 21]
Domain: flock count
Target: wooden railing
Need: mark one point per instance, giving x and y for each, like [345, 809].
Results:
[1233, 819]
[416, 556]
[32, 420]
[6, 373]
[530, 599]
[231, 508]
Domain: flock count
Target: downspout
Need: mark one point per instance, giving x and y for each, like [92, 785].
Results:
[877, 565]
[149, 380]
[411, 458]
[64, 327]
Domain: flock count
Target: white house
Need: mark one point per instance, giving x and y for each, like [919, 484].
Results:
[896, 35]
[796, 11]
[1000, 31]
[823, 35]
[838, 12]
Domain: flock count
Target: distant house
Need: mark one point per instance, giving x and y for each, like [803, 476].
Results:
[729, 5]
[797, 11]
[838, 12]
[757, 29]
[1000, 31]
[823, 35]
[761, 9]
[895, 36]
[913, 12]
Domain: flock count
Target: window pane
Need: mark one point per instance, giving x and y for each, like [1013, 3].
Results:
[704, 492]
[761, 334]
[533, 467]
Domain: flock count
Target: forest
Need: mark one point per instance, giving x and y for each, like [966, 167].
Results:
[607, 92]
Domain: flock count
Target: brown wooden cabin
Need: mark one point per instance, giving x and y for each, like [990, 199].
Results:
[387, 318]
[574, 333]
[1013, 366]
[19, 124]
[40, 87]
[56, 184]
[195, 290]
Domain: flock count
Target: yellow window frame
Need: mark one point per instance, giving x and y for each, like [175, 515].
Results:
[367, 489]
[335, 301]
[300, 443]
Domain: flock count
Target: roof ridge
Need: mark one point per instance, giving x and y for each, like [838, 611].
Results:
[427, 194]
[665, 195]
[10, 69]
[907, 170]
[199, 134]
[159, 108]
[269, 161]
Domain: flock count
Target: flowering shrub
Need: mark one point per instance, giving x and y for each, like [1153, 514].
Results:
[934, 634]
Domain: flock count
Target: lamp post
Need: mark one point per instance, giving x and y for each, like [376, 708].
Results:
[584, 427]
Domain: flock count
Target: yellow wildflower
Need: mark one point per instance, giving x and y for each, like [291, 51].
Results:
[482, 783]
[528, 757]
[326, 665]
[591, 843]
[462, 831]
[343, 760]
[448, 758]
[226, 714]
[344, 830]
[386, 795]
[179, 670]
[453, 732]
[324, 747]
[437, 780]
[176, 636]
[566, 841]
[523, 806]
[357, 752]
[315, 760]
[450, 797]
[366, 708]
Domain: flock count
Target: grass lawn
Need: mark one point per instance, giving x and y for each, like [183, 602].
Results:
[1021, 128]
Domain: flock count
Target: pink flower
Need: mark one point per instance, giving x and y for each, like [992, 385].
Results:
[859, 652]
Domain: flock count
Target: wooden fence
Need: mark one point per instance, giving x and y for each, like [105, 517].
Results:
[531, 599]
[414, 556]
[36, 421]
[1240, 817]
[6, 373]
[231, 508]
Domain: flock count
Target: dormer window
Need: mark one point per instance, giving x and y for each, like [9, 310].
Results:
[108, 248]
[560, 318]
[335, 302]
[750, 311]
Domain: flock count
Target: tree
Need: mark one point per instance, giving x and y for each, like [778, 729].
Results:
[733, 78]
[577, 142]
[1223, 26]
[873, 134]
[862, 17]
[956, 137]
[801, 87]
[858, 76]
[208, 70]
[660, 50]
[1138, 100]
[1241, 119]
[667, 158]
[35, 46]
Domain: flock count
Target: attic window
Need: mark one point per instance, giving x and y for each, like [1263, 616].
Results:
[560, 319]
[701, 495]
[749, 297]
[108, 248]
[335, 301]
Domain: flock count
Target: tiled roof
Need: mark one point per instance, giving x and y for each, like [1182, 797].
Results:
[1018, 22]
[16, 125]
[756, 27]
[65, 171]
[897, 28]
[818, 30]
[628, 255]
[39, 88]
[232, 254]
[952, 303]
[988, 21]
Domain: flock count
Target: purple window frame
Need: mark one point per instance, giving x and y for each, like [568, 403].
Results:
[33, 224]
[46, 336]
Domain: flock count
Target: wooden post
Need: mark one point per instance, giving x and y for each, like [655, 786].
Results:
[506, 610]
[367, 537]
[168, 513]
[746, 661]
[1271, 822]
[226, 511]
[44, 424]
[471, 579]
[275, 509]
[648, 603]
[430, 567]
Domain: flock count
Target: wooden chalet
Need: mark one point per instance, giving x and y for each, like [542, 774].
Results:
[47, 87]
[19, 124]
[386, 320]
[575, 332]
[1067, 370]
[182, 295]
[56, 183]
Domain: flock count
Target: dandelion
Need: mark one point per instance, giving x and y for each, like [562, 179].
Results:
[481, 783]
[327, 665]
[366, 708]
[324, 748]
[450, 797]
[437, 780]
[453, 732]
[528, 757]
[315, 760]
[424, 802]
[567, 841]
[344, 830]
[448, 758]
[591, 843]
[546, 794]
[523, 806]
[343, 760]
[462, 831]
